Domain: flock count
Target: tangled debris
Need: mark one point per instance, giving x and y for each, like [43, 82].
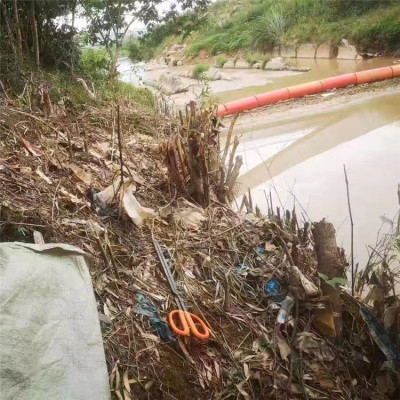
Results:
[278, 329]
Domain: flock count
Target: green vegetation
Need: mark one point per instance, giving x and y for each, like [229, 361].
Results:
[199, 70]
[230, 26]
[253, 58]
[136, 51]
[95, 63]
[220, 61]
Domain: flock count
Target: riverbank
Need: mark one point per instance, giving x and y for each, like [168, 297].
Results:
[55, 171]
[235, 84]
[249, 29]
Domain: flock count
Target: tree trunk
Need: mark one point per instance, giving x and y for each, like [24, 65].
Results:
[73, 35]
[17, 29]
[7, 24]
[331, 264]
[114, 61]
[35, 34]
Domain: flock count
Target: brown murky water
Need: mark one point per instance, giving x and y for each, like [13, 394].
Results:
[301, 160]
[299, 155]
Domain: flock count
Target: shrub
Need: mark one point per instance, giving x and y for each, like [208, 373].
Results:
[252, 58]
[95, 63]
[220, 61]
[141, 96]
[138, 51]
[199, 70]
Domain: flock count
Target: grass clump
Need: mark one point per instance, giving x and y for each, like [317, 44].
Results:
[220, 61]
[199, 70]
[264, 61]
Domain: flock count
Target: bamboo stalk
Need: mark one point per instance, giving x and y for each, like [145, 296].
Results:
[228, 138]
[352, 230]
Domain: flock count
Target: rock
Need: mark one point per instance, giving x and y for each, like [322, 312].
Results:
[306, 50]
[346, 51]
[288, 51]
[326, 50]
[174, 62]
[242, 64]
[179, 63]
[229, 64]
[359, 57]
[168, 84]
[276, 64]
[214, 74]
[257, 65]
[299, 69]
[177, 47]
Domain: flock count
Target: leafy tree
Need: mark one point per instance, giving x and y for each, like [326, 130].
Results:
[110, 20]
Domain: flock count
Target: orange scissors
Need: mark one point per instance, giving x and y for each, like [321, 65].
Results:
[188, 322]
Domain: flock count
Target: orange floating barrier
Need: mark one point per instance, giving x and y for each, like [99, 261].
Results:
[396, 70]
[221, 111]
[373, 75]
[272, 97]
[323, 85]
[305, 89]
[241, 105]
[339, 81]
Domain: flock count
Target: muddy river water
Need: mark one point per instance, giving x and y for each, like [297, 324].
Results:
[299, 155]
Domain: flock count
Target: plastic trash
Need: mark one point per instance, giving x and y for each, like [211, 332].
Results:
[379, 335]
[147, 308]
[260, 250]
[273, 289]
[242, 269]
[286, 307]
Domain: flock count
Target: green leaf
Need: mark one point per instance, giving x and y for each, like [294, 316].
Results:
[323, 276]
[340, 281]
[331, 283]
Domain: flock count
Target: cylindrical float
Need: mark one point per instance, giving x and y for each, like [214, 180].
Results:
[241, 105]
[396, 70]
[323, 85]
[221, 111]
[373, 75]
[339, 81]
[305, 89]
[272, 97]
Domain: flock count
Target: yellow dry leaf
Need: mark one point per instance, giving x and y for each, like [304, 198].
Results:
[125, 378]
[71, 197]
[119, 395]
[209, 375]
[246, 370]
[217, 369]
[127, 395]
[107, 312]
[43, 176]
[111, 292]
[117, 379]
[25, 170]
[79, 175]
[242, 391]
[184, 350]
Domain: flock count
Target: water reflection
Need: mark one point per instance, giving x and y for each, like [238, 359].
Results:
[309, 165]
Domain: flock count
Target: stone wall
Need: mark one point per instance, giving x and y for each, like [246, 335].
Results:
[306, 50]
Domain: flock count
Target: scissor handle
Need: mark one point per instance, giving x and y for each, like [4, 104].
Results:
[188, 323]
[185, 331]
